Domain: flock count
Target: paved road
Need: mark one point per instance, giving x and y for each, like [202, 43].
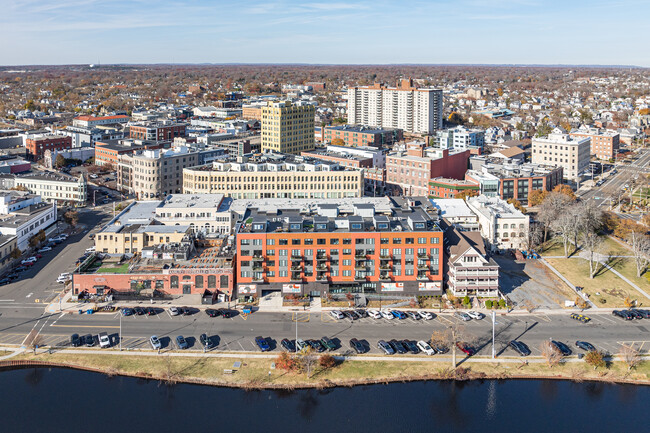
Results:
[237, 333]
[614, 184]
[38, 284]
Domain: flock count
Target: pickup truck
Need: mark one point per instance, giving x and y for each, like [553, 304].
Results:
[104, 341]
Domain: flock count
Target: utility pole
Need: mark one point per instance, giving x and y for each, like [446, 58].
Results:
[296, 345]
[120, 336]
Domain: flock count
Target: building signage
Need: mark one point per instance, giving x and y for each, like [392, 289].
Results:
[179, 271]
[428, 286]
[291, 288]
[246, 289]
[392, 287]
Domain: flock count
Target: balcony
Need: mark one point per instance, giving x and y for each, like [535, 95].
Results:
[384, 256]
[321, 277]
[296, 267]
[384, 276]
[321, 256]
[321, 267]
[258, 257]
[296, 277]
[360, 266]
[423, 255]
[296, 256]
[258, 268]
[258, 279]
[386, 267]
[423, 277]
[423, 266]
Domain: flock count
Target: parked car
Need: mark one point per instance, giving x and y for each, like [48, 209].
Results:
[580, 317]
[174, 311]
[426, 315]
[45, 250]
[466, 348]
[439, 348]
[357, 346]
[28, 262]
[262, 344]
[225, 313]
[206, 341]
[520, 347]
[385, 347]
[316, 345]
[301, 344]
[155, 343]
[89, 340]
[426, 348]
[462, 316]
[361, 312]
[588, 347]
[126, 311]
[563, 348]
[212, 313]
[104, 341]
[288, 345]
[5, 281]
[644, 313]
[413, 315]
[635, 314]
[398, 346]
[411, 346]
[186, 311]
[350, 314]
[387, 315]
[477, 315]
[622, 314]
[328, 343]
[151, 311]
[139, 311]
[374, 314]
[182, 343]
[398, 314]
[75, 341]
[337, 314]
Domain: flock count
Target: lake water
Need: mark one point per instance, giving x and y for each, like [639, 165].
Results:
[59, 400]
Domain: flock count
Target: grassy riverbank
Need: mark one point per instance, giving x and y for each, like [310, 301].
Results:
[254, 373]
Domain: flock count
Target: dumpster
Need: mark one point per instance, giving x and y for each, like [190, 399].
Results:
[90, 311]
[247, 310]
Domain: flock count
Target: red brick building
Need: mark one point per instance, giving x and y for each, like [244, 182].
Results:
[604, 143]
[409, 172]
[157, 131]
[357, 135]
[108, 152]
[366, 251]
[37, 144]
[441, 187]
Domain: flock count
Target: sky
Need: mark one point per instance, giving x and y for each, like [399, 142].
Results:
[575, 32]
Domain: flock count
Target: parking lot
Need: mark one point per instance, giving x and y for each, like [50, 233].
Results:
[238, 333]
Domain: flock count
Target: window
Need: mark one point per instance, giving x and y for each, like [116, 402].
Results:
[334, 252]
[347, 241]
[198, 281]
[284, 252]
[282, 273]
[270, 253]
[173, 282]
[212, 282]
[319, 242]
[356, 226]
[347, 262]
[223, 281]
[284, 242]
[346, 273]
[408, 251]
[397, 240]
[347, 252]
[422, 240]
[434, 240]
[245, 242]
[383, 240]
[295, 241]
[397, 252]
[270, 242]
[334, 241]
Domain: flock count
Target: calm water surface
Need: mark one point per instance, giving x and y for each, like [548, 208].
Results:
[42, 400]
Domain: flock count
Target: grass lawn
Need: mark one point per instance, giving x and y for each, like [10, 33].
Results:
[121, 269]
[552, 247]
[612, 247]
[610, 286]
[627, 267]
[255, 372]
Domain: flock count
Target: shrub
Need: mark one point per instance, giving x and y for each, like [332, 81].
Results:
[488, 304]
[466, 300]
[595, 359]
[287, 362]
[502, 303]
[327, 361]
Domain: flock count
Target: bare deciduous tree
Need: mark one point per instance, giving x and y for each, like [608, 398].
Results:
[591, 243]
[550, 209]
[550, 353]
[449, 337]
[630, 356]
[640, 244]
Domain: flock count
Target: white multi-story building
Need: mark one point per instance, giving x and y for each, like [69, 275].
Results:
[503, 226]
[50, 186]
[560, 149]
[28, 221]
[404, 107]
[461, 138]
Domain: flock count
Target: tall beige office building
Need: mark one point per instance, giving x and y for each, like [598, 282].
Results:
[287, 127]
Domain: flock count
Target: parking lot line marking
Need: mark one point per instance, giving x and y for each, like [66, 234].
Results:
[444, 320]
[607, 319]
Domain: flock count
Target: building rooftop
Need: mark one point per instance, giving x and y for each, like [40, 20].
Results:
[45, 176]
[271, 162]
[357, 215]
[494, 207]
[452, 207]
[21, 216]
[360, 128]
[185, 201]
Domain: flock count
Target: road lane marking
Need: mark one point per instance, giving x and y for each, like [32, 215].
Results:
[85, 326]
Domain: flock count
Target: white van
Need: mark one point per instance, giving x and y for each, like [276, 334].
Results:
[104, 341]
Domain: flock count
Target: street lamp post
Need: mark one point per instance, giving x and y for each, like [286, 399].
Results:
[120, 336]
[494, 321]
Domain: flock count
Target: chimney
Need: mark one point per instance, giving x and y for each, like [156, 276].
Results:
[415, 149]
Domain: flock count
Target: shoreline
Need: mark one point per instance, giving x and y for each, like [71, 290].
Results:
[462, 373]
